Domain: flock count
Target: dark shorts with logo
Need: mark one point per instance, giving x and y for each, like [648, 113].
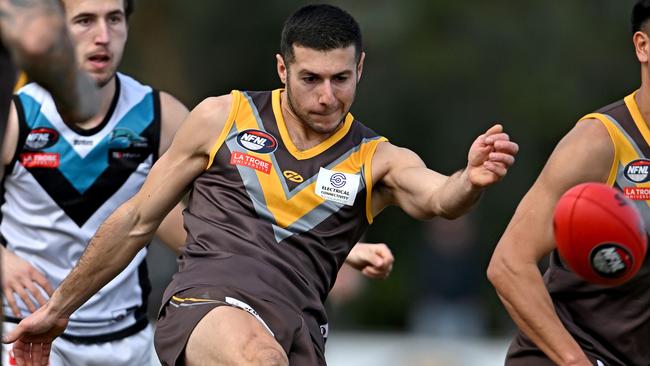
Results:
[180, 314]
[523, 352]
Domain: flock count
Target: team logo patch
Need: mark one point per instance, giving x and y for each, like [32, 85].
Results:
[611, 260]
[41, 138]
[637, 171]
[40, 160]
[258, 141]
[293, 176]
[122, 138]
[239, 158]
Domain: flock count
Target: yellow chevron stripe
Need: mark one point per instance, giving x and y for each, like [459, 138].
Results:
[630, 102]
[311, 152]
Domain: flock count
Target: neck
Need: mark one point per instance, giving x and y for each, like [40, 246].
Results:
[106, 94]
[302, 136]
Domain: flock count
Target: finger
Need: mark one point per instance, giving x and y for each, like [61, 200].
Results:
[497, 168]
[26, 299]
[37, 354]
[506, 159]
[11, 300]
[497, 137]
[47, 348]
[497, 128]
[508, 147]
[19, 352]
[36, 293]
[372, 273]
[40, 279]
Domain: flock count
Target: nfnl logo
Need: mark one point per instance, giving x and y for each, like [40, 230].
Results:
[257, 141]
[41, 138]
[638, 171]
[611, 260]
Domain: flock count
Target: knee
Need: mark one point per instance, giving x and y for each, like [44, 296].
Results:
[268, 355]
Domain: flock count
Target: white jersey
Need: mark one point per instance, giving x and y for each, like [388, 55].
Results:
[64, 182]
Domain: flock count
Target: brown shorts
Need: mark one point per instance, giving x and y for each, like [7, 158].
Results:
[523, 352]
[297, 333]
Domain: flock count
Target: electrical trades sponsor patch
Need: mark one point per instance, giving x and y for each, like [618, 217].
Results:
[338, 187]
[40, 160]
[250, 161]
[258, 141]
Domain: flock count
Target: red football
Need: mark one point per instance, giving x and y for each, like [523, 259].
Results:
[599, 233]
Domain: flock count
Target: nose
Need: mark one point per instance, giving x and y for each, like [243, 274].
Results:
[102, 34]
[326, 95]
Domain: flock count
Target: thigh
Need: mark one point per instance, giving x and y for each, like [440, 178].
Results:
[231, 336]
[240, 317]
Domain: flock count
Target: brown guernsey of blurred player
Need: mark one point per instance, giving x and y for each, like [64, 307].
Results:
[562, 319]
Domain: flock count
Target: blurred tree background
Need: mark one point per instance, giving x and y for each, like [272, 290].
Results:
[437, 74]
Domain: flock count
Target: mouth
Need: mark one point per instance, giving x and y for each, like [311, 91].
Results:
[99, 61]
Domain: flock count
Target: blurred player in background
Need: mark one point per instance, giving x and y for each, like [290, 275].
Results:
[562, 319]
[35, 36]
[64, 177]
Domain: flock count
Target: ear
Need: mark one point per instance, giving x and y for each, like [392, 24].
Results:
[641, 46]
[360, 66]
[282, 68]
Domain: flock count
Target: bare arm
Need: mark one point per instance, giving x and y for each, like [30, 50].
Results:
[130, 227]
[513, 269]
[405, 181]
[173, 113]
[37, 37]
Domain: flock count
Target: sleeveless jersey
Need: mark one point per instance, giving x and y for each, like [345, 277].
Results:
[64, 182]
[274, 220]
[613, 323]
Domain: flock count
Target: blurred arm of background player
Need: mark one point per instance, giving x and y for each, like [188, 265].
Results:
[529, 237]
[35, 33]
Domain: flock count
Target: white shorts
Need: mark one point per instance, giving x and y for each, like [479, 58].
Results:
[133, 350]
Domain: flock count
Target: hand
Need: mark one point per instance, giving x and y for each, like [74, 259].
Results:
[33, 337]
[20, 278]
[490, 156]
[373, 260]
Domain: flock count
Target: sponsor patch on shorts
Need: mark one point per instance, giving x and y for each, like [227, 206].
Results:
[250, 161]
[40, 160]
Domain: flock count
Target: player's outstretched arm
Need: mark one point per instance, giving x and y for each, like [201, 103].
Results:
[529, 237]
[129, 228]
[35, 32]
[404, 180]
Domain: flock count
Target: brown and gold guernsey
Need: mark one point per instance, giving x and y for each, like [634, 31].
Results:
[612, 324]
[272, 219]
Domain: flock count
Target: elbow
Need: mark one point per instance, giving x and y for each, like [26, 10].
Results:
[501, 270]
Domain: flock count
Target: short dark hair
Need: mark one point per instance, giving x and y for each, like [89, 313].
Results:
[128, 8]
[321, 27]
[640, 15]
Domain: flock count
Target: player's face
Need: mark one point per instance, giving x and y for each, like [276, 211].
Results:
[99, 32]
[321, 85]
